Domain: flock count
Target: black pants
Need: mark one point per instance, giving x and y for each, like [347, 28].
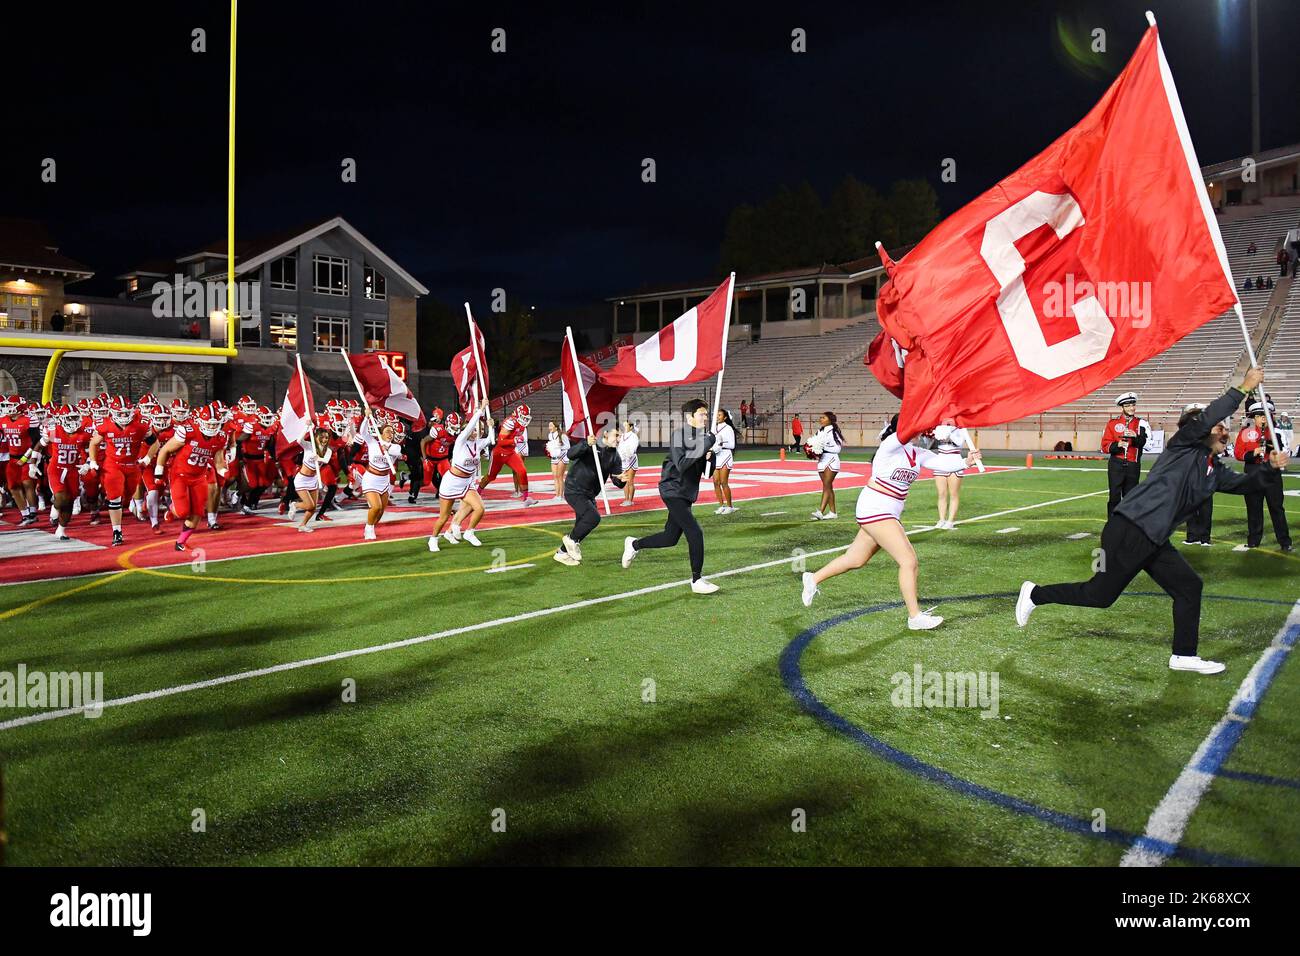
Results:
[680, 521]
[585, 516]
[1124, 477]
[1125, 551]
[1255, 509]
[1198, 525]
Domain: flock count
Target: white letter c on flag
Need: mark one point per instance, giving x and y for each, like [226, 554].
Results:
[1089, 345]
[653, 368]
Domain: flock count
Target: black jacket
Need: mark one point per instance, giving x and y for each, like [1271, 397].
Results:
[581, 479]
[1185, 476]
[679, 475]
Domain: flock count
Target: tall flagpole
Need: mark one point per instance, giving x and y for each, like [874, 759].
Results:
[478, 372]
[586, 415]
[726, 334]
[302, 387]
[232, 300]
[1211, 223]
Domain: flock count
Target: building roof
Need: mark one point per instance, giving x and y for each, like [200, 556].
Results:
[252, 253]
[1268, 157]
[27, 244]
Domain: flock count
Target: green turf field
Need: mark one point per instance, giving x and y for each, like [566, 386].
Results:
[655, 728]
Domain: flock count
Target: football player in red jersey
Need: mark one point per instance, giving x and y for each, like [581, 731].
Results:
[505, 451]
[436, 446]
[257, 451]
[18, 433]
[155, 486]
[66, 442]
[123, 438]
[199, 453]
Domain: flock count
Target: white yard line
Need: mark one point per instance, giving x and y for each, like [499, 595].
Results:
[1170, 818]
[467, 629]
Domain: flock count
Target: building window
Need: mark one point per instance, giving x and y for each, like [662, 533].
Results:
[132, 284]
[376, 284]
[168, 387]
[331, 333]
[284, 331]
[84, 384]
[7, 384]
[284, 272]
[376, 335]
[250, 331]
[331, 275]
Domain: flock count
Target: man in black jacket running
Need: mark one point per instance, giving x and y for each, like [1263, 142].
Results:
[679, 486]
[582, 487]
[1136, 537]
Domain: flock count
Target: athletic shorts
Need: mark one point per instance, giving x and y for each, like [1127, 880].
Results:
[189, 496]
[874, 506]
[120, 482]
[15, 473]
[64, 479]
[723, 458]
[829, 461]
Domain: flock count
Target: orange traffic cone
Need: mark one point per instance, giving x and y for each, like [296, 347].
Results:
[1029, 461]
[783, 453]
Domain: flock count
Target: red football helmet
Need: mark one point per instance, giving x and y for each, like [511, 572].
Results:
[247, 405]
[452, 424]
[266, 417]
[523, 415]
[120, 410]
[209, 420]
[180, 410]
[69, 418]
[436, 416]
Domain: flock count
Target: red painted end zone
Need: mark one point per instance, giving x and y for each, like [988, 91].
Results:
[31, 554]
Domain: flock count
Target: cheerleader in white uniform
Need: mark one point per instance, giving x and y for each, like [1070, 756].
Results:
[949, 440]
[879, 513]
[459, 485]
[316, 451]
[628, 443]
[724, 453]
[557, 448]
[826, 446]
[382, 454]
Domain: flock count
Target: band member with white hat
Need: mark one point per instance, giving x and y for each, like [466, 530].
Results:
[1124, 439]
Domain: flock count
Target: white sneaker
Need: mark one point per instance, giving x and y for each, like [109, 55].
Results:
[924, 622]
[516, 494]
[626, 504]
[1024, 606]
[816, 516]
[720, 510]
[307, 529]
[566, 559]
[60, 535]
[1206, 544]
[1181, 662]
[571, 548]
[369, 534]
[829, 516]
[810, 589]
[433, 542]
[76, 506]
[451, 538]
[472, 538]
[529, 502]
[1242, 547]
[293, 510]
[703, 587]
[629, 552]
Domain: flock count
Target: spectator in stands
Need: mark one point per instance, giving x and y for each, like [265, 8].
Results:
[1268, 282]
[1252, 248]
[1247, 287]
[1281, 262]
[744, 413]
[796, 429]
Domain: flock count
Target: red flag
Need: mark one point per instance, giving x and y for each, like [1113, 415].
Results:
[470, 386]
[295, 414]
[689, 350]
[1099, 253]
[885, 359]
[382, 388]
[587, 379]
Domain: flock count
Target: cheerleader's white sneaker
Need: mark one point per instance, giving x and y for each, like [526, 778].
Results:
[810, 589]
[1190, 662]
[829, 516]
[924, 622]
[816, 516]
[433, 542]
[369, 534]
[472, 538]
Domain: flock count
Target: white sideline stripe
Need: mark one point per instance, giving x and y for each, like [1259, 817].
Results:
[769, 514]
[1170, 817]
[508, 567]
[469, 628]
[1006, 530]
[563, 519]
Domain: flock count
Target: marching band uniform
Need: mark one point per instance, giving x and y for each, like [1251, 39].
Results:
[1124, 439]
[1253, 446]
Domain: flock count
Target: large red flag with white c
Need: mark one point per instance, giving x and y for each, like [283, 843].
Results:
[584, 386]
[1096, 255]
[689, 350]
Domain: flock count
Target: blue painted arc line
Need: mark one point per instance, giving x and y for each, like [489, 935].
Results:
[792, 677]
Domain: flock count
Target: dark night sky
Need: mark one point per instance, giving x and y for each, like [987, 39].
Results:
[523, 170]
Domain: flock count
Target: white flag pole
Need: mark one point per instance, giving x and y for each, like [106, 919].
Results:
[1211, 223]
[586, 415]
[310, 412]
[478, 372]
[726, 334]
[370, 414]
